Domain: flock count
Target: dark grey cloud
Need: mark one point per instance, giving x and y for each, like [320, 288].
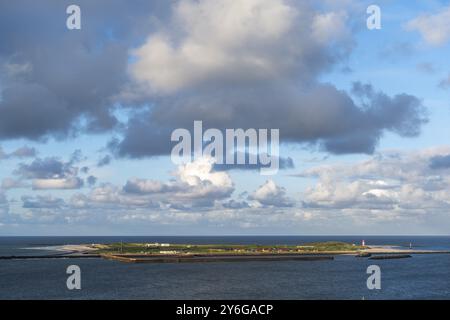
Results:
[47, 168]
[42, 202]
[76, 157]
[402, 114]
[142, 138]
[22, 152]
[284, 163]
[322, 115]
[84, 170]
[57, 82]
[440, 162]
[91, 180]
[104, 161]
[51, 173]
[234, 204]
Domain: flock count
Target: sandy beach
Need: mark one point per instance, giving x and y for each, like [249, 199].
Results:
[77, 248]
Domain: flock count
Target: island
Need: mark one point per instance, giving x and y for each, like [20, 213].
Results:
[177, 253]
[166, 252]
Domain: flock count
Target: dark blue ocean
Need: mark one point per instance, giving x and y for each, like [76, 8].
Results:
[420, 277]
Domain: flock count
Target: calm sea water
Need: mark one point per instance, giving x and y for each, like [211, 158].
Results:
[421, 277]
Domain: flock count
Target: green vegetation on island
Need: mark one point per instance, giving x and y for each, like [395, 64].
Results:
[219, 249]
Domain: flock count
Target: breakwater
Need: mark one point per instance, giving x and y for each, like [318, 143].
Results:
[57, 256]
[391, 256]
[212, 258]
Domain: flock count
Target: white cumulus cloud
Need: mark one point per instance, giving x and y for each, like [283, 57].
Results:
[434, 28]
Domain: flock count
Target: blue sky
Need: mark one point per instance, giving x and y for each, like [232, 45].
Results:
[120, 85]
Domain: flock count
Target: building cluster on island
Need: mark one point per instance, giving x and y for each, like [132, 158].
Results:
[156, 244]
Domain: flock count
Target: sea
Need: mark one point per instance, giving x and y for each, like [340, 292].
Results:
[425, 276]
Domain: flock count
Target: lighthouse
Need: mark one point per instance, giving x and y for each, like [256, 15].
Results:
[363, 243]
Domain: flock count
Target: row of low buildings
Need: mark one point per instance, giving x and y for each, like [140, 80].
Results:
[156, 244]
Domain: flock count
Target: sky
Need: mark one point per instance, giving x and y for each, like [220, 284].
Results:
[86, 117]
